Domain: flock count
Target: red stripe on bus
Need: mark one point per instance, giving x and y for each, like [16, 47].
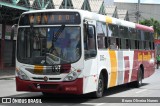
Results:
[127, 67]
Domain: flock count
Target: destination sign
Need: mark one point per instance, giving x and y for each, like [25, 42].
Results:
[50, 18]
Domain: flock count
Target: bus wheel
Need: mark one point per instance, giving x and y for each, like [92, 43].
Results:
[138, 83]
[100, 88]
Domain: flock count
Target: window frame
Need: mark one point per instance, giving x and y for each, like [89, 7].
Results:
[95, 45]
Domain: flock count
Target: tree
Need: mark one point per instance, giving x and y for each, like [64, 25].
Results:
[154, 23]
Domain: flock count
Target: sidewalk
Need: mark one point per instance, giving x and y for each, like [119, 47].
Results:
[7, 73]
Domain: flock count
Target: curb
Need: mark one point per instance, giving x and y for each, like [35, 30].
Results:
[5, 77]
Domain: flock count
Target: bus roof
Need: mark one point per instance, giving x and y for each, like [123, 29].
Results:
[99, 17]
[145, 28]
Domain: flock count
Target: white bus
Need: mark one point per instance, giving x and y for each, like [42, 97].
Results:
[78, 52]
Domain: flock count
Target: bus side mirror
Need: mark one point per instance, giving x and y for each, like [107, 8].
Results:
[13, 31]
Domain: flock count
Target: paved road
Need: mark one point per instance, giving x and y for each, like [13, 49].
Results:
[150, 88]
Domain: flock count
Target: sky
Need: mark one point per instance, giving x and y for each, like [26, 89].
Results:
[141, 1]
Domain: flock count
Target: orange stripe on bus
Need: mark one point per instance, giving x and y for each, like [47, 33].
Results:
[108, 20]
[38, 67]
[113, 60]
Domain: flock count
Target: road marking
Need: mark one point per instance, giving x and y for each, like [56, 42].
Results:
[7, 78]
[88, 103]
[100, 104]
[94, 104]
[141, 91]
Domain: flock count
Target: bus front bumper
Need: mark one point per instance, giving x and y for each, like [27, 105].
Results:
[74, 87]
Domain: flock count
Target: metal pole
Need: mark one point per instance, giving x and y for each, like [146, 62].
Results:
[3, 44]
[138, 13]
[42, 6]
[65, 4]
[85, 3]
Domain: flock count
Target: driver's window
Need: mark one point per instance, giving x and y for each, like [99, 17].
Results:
[89, 42]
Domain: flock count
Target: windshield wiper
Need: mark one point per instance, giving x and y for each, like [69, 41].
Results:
[58, 33]
[52, 59]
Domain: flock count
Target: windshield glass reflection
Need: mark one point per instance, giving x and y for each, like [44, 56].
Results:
[49, 46]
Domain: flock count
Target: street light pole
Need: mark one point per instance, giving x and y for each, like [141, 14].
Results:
[138, 13]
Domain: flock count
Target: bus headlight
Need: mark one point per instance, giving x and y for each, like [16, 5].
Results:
[72, 75]
[22, 75]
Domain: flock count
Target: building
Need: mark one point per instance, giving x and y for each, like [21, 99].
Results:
[10, 11]
[97, 6]
[111, 11]
[123, 14]
[147, 11]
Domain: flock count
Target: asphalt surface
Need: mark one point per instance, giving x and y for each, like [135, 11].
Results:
[112, 97]
[7, 73]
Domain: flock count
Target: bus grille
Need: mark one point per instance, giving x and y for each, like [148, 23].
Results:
[42, 78]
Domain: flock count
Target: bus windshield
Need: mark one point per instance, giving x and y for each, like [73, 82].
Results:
[49, 45]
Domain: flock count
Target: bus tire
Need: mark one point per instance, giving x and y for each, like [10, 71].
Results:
[100, 89]
[138, 83]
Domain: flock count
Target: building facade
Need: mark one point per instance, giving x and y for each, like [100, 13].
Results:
[146, 11]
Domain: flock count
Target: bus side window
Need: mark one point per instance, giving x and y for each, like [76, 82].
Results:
[128, 44]
[136, 44]
[113, 43]
[101, 29]
[118, 43]
[89, 41]
[147, 45]
[106, 42]
[101, 41]
[153, 45]
[150, 45]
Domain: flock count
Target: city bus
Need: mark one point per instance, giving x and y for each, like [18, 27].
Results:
[69, 51]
